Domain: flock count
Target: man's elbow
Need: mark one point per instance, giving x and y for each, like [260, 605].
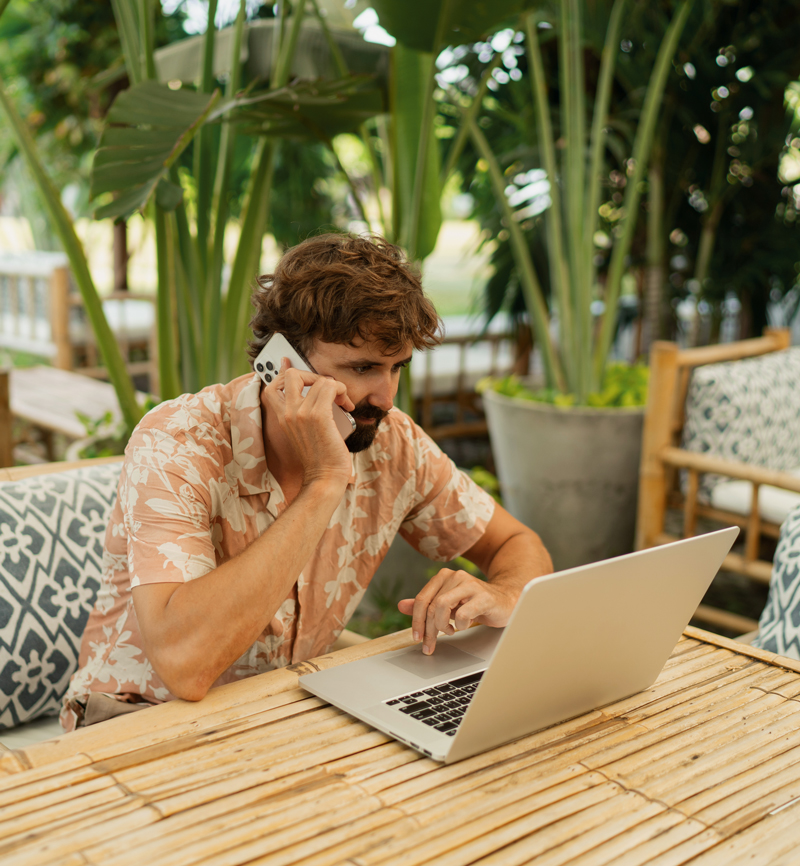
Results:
[184, 680]
[189, 690]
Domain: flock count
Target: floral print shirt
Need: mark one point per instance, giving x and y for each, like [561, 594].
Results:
[195, 490]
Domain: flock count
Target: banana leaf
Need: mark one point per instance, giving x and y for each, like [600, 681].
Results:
[148, 127]
[307, 109]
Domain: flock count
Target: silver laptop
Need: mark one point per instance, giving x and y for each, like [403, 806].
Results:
[577, 640]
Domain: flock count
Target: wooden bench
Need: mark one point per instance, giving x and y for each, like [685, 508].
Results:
[41, 315]
[672, 474]
[49, 400]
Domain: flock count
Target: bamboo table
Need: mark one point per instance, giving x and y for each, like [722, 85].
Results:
[702, 768]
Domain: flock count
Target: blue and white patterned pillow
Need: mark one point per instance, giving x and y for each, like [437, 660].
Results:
[52, 529]
[746, 410]
[779, 627]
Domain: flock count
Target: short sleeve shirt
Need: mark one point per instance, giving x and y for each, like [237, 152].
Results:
[195, 490]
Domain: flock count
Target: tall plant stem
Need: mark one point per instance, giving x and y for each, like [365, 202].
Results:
[381, 127]
[166, 265]
[248, 255]
[713, 215]
[350, 182]
[559, 263]
[125, 15]
[527, 274]
[656, 252]
[193, 357]
[573, 130]
[641, 153]
[288, 46]
[146, 36]
[203, 155]
[64, 228]
[599, 119]
[425, 134]
[255, 211]
[219, 201]
[378, 180]
[597, 144]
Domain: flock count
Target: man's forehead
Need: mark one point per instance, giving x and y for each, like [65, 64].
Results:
[361, 348]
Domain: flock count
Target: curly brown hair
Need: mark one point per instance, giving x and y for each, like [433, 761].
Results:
[343, 288]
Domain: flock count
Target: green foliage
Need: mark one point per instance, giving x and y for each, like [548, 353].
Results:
[53, 54]
[388, 619]
[624, 385]
[147, 128]
[106, 437]
[725, 187]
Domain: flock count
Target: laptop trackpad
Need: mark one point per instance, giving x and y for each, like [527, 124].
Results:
[444, 660]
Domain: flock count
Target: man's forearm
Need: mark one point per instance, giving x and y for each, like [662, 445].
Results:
[520, 559]
[194, 631]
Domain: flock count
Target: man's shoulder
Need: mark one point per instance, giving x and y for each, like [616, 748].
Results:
[212, 406]
[201, 424]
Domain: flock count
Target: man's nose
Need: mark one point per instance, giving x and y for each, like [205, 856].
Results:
[383, 395]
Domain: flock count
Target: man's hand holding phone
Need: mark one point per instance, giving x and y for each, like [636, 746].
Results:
[268, 366]
[302, 401]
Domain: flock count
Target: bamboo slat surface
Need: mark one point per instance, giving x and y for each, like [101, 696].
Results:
[701, 768]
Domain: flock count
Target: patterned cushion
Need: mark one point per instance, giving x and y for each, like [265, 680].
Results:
[746, 410]
[779, 628]
[51, 550]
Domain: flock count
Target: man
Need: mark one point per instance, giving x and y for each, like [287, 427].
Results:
[246, 529]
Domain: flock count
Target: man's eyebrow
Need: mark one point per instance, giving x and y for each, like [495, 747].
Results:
[371, 362]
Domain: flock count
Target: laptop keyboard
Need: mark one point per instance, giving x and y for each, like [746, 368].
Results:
[441, 706]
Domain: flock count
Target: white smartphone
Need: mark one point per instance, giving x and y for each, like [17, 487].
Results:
[268, 364]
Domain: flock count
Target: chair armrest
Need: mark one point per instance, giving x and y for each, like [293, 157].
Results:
[682, 459]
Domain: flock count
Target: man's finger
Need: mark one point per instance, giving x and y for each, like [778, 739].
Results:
[424, 597]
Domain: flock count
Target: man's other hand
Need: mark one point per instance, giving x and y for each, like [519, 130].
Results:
[451, 601]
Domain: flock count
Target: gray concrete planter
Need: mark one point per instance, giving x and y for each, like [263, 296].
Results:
[571, 474]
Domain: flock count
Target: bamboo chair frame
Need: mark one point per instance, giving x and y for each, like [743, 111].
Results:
[662, 458]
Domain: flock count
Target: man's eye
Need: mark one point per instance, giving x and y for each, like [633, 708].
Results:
[362, 369]
[401, 366]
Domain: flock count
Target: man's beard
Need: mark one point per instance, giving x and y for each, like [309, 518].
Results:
[364, 434]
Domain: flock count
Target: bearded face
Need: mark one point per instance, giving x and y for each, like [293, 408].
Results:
[367, 418]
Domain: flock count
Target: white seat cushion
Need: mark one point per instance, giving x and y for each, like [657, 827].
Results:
[774, 504]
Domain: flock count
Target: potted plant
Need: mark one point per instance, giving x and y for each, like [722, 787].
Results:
[568, 454]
